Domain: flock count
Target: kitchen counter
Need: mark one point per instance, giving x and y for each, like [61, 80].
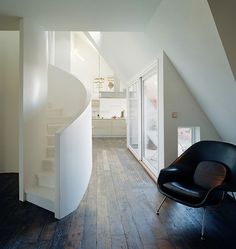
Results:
[109, 127]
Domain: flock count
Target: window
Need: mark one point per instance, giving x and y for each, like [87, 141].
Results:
[187, 136]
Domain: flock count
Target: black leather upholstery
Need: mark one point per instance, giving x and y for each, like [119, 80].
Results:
[176, 181]
[188, 190]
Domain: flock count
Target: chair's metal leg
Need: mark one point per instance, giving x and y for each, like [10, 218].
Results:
[223, 195]
[158, 210]
[203, 224]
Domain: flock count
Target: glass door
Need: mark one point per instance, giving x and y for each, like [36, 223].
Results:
[150, 121]
[134, 124]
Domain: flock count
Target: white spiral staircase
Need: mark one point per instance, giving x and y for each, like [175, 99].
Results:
[63, 176]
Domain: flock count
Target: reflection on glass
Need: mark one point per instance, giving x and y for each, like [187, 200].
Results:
[133, 118]
[187, 136]
[150, 113]
[184, 139]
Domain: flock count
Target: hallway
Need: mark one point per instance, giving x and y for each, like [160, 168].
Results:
[117, 211]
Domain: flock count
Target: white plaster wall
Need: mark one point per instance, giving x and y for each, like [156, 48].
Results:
[34, 97]
[62, 50]
[85, 61]
[112, 107]
[9, 101]
[177, 98]
[66, 92]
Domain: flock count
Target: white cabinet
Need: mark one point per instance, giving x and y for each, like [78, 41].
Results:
[109, 127]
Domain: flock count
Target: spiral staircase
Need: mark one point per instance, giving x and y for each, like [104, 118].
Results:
[63, 176]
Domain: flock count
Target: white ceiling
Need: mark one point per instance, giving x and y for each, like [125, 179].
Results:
[81, 15]
[128, 53]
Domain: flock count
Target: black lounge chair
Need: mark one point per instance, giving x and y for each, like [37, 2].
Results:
[201, 176]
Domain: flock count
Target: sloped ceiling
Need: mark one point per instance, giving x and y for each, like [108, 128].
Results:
[225, 19]
[185, 29]
[83, 15]
[127, 53]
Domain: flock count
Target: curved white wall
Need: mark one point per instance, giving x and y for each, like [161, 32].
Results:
[73, 143]
[74, 163]
[65, 91]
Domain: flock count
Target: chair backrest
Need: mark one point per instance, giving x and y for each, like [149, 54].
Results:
[216, 151]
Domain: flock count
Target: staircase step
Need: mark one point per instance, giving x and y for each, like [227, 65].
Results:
[48, 164]
[46, 179]
[51, 140]
[59, 120]
[54, 112]
[50, 105]
[50, 152]
[52, 128]
[41, 196]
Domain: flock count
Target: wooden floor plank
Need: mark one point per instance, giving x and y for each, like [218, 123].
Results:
[117, 212]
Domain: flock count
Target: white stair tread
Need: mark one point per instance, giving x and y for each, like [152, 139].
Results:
[44, 192]
[50, 151]
[51, 147]
[53, 128]
[46, 173]
[46, 179]
[51, 140]
[48, 162]
[55, 125]
[59, 120]
[53, 109]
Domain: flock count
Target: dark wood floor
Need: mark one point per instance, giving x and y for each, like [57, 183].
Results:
[118, 211]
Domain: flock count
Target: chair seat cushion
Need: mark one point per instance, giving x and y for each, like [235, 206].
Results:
[188, 190]
[209, 174]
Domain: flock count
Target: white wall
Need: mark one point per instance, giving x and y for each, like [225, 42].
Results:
[177, 98]
[34, 97]
[85, 60]
[62, 50]
[9, 101]
[112, 107]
